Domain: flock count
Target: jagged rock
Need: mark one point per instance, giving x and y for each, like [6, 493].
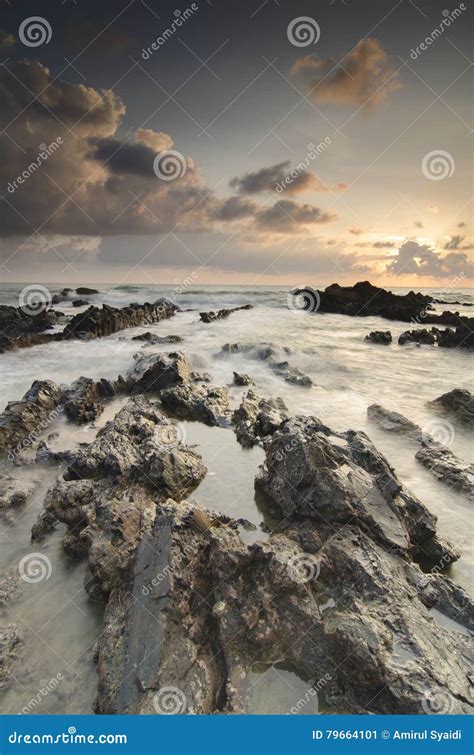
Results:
[195, 402]
[22, 420]
[63, 295]
[160, 628]
[13, 493]
[44, 525]
[439, 460]
[10, 643]
[462, 337]
[19, 330]
[257, 418]
[200, 377]
[152, 339]
[44, 455]
[380, 336]
[335, 478]
[393, 422]
[445, 466]
[221, 313]
[363, 300]
[155, 372]
[268, 353]
[83, 401]
[138, 444]
[458, 404]
[96, 322]
[241, 379]
[417, 336]
[291, 374]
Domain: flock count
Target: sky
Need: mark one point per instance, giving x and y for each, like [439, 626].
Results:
[238, 141]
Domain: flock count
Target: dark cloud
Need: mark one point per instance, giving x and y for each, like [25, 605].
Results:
[457, 242]
[418, 224]
[365, 76]
[357, 230]
[376, 244]
[280, 178]
[235, 208]
[419, 259]
[286, 216]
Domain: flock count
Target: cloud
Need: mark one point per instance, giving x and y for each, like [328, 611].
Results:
[419, 259]
[457, 242]
[278, 178]
[365, 77]
[357, 230]
[286, 216]
[376, 244]
[418, 224]
[433, 209]
[234, 208]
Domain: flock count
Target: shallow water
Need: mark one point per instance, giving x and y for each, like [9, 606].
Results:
[349, 374]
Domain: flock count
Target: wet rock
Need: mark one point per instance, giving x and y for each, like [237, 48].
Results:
[63, 295]
[417, 336]
[269, 353]
[13, 493]
[447, 468]
[334, 478]
[10, 644]
[458, 404]
[195, 402]
[240, 379]
[44, 525]
[221, 314]
[200, 377]
[291, 374]
[19, 330]
[44, 455]
[438, 459]
[9, 585]
[138, 444]
[155, 372]
[380, 336]
[96, 322]
[84, 291]
[363, 300]
[22, 420]
[256, 418]
[393, 422]
[80, 303]
[160, 631]
[152, 339]
[83, 401]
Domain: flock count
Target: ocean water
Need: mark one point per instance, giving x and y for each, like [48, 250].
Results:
[348, 374]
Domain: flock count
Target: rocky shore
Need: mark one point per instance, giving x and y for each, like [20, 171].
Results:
[347, 586]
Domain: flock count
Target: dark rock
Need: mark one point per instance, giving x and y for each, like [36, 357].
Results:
[13, 493]
[335, 478]
[458, 404]
[153, 339]
[22, 420]
[84, 291]
[80, 303]
[9, 585]
[240, 379]
[364, 300]
[445, 466]
[380, 336]
[138, 443]
[44, 455]
[96, 322]
[19, 330]
[191, 401]
[257, 418]
[155, 372]
[10, 643]
[268, 353]
[200, 377]
[83, 401]
[417, 336]
[291, 374]
[393, 422]
[436, 457]
[221, 313]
